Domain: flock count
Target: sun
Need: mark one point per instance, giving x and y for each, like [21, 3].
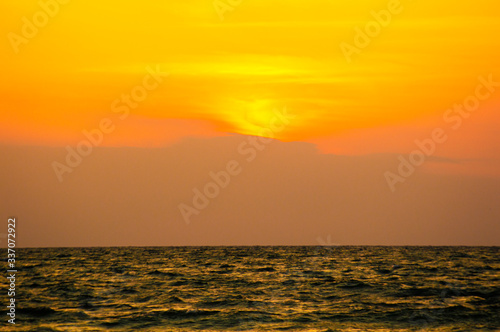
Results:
[257, 119]
[259, 113]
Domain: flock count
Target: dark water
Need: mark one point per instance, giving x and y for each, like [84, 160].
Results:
[258, 288]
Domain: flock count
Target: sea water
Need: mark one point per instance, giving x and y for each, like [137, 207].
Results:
[257, 289]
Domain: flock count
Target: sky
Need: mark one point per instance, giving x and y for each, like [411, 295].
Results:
[218, 122]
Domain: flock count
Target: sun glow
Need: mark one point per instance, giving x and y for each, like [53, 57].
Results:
[231, 76]
[259, 116]
[255, 117]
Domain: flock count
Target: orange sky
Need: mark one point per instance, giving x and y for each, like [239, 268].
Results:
[227, 76]
[183, 87]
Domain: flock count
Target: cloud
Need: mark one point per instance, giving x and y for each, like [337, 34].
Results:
[288, 195]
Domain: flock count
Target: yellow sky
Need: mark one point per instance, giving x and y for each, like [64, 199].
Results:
[227, 76]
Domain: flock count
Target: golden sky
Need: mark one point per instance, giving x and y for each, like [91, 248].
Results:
[227, 76]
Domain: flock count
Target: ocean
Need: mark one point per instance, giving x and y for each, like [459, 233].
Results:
[344, 288]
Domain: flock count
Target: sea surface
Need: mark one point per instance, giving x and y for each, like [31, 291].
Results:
[256, 289]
